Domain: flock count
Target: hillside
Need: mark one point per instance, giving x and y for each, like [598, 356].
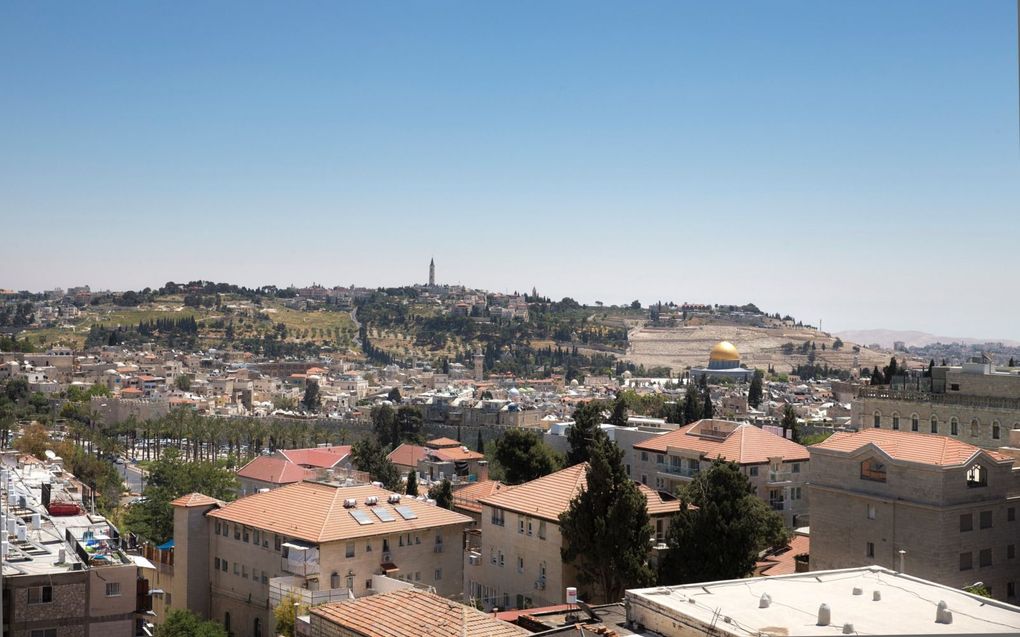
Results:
[680, 347]
[913, 338]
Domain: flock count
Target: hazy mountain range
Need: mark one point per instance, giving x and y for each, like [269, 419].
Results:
[913, 338]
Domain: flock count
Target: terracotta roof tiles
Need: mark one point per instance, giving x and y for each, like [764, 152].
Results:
[275, 470]
[909, 446]
[745, 444]
[195, 500]
[412, 613]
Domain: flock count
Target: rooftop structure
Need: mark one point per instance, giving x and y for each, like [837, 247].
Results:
[868, 600]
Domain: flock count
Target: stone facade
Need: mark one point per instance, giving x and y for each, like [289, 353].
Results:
[953, 533]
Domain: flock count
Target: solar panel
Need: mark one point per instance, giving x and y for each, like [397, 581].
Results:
[406, 512]
[362, 517]
[383, 514]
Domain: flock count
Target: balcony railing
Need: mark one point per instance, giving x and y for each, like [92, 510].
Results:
[780, 476]
[777, 505]
[677, 470]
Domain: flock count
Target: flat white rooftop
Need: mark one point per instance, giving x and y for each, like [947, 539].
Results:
[907, 606]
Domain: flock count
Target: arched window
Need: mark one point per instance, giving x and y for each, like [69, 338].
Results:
[954, 426]
[934, 424]
[977, 476]
[895, 420]
[257, 628]
[995, 430]
[914, 422]
[878, 419]
[975, 428]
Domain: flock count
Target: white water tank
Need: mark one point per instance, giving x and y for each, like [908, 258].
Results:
[22, 532]
[571, 595]
[36, 521]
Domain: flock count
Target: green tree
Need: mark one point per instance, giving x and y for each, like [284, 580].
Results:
[480, 444]
[789, 423]
[707, 410]
[286, 614]
[370, 457]
[891, 370]
[606, 528]
[409, 424]
[312, 401]
[411, 487]
[394, 396]
[170, 477]
[183, 382]
[384, 425]
[692, 406]
[184, 623]
[754, 392]
[523, 456]
[442, 493]
[722, 534]
[585, 432]
[876, 376]
[619, 415]
[34, 440]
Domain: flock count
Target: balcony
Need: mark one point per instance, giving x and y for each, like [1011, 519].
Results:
[777, 505]
[677, 470]
[780, 476]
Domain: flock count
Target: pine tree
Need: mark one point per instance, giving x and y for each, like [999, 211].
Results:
[606, 528]
[754, 393]
[790, 423]
[692, 410]
[707, 410]
[411, 488]
[480, 445]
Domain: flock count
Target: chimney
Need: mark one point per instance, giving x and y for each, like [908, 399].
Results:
[903, 557]
[483, 470]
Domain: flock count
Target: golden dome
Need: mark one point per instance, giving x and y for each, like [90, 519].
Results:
[724, 351]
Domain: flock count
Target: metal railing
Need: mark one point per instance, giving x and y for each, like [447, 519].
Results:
[677, 470]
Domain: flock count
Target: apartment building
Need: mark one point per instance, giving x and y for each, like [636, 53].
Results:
[64, 573]
[976, 403]
[515, 562]
[950, 506]
[776, 467]
[317, 542]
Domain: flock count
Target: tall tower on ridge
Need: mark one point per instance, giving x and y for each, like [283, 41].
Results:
[432, 273]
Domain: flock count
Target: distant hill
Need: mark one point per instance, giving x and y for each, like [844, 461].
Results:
[913, 338]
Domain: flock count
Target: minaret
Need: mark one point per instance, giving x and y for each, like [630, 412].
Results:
[479, 360]
[432, 273]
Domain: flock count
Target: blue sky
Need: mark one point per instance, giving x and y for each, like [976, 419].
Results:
[855, 162]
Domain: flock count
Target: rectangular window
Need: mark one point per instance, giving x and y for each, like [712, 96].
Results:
[754, 472]
[1011, 514]
[244, 571]
[529, 526]
[40, 594]
[873, 470]
[985, 557]
[985, 520]
[541, 529]
[871, 512]
[966, 522]
[659, 459]
[246, 536]
[966, 561]
[501, 558]
[218, 525]
[216, 564]
[795, 468]
[439, 574]
[520, 564]
[113, 589]
[644, 456]
[277, 542]
[44, 632]
[1011, 589]
[237, 532]
[520, 524]
[223, 565]
[237, 568]
[870, 549]
[256, 540]
[350, 549]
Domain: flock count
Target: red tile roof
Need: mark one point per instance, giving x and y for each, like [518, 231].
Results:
[274, 470]
[466, 498]
[783, 562]
[407, 455]
[315, 512]
[909, 446]
[322, 457]
[454, 454]
[549, 496]
[412, 613]
[437, 443]
[745, 444]
[195, 500]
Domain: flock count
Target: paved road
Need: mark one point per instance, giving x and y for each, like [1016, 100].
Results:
[132, 475]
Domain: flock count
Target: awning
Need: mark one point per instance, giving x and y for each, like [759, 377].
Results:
[141, 562]
[298, 546]
[389, 567]
[169, 544]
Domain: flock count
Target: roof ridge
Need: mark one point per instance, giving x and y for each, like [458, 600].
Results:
[329, 512]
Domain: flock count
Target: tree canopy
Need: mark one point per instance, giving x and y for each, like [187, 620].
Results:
[442, 493]
[523, 456]
[754, 392]
[606, 529]
[370, 457]
[722, 535]
[585, 432]
[184, 623]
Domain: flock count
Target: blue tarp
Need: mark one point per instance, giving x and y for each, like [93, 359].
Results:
[169, 544]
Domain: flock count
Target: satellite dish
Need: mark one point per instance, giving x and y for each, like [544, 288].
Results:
[50, 455]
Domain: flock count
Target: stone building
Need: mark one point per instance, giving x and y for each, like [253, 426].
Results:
[314, 541]
[951, 506]
[776, 467]
[975, 403]
[516, 562]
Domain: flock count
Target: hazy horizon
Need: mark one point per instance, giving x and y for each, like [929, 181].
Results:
[854, 163]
